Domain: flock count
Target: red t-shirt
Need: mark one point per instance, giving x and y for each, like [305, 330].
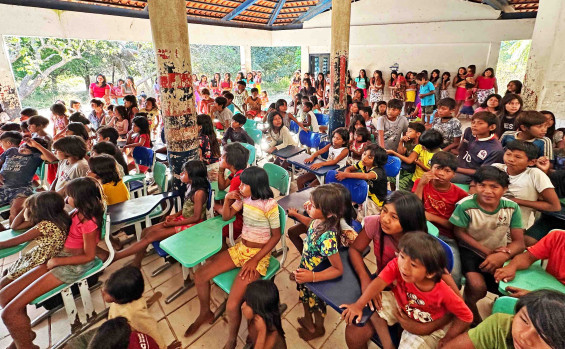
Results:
[441, 203]
[235, 181]
[552, 248]
[138, 340]
[484, 83]
[424, 306]
[204, 105]
[99, 92]
[145, 139]
[373, 231]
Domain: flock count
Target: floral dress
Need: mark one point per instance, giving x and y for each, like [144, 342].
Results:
[315, 251]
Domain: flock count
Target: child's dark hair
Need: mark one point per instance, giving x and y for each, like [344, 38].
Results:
[149, 99]
[112, 334]
[72, 146]
[444, 159]
[353, 122]
[507, 99]
[38, 120]
[344, 134]
[41, 142]
[143, 124]
[422, 76]
[367, 110]
[491, 173]
[87, 196]
[497, 96]
[24, 126]
[279, 103]
[97, 101]
[104, 166]
[122, 111]
[446, 102]
[254, 89]
[518, 85]
[379, 155]
[13, 137]
[314, 100]
[241, 82]
[550, 130]
[125, 285]
[11, 126]
[258, 180]
[530, 118]
[527, 147]
[546, 310]
[324, 198]
[229, 96]
[207, 129]
[411, 216]
[205, 91]
[109, 132]
[486, 116]
[427, 249]
[364, 133]
[198, 174]
[417, 126]
[79, 117]
[262, 296]
[48, 206]
[58, 109]
[308, 105]
[239, 118]
[349, 213]
[29, 112]
[271, 118]
[431, 139]
[112, 150]
[221, 101]
[395, 104]
[132, 100]
[78, 130]
[379, 103]
[236, 155]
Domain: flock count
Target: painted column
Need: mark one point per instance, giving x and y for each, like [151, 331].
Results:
[170, 40]
[544, 85]
[245, 58]
[9, 98]
[341, 17]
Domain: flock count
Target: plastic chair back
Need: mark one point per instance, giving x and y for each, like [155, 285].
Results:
[448, 253]
[278, 178]
[505, 304]
[392, 167]
[432, 229]
[256, 135]
[356, 226]
[294, 128]
[160, 176]
[250, 125]
[465, 187]
[144, 156]
[252, 152]
[323, 119]
[357, 187]
[323, 144]
[310, 139]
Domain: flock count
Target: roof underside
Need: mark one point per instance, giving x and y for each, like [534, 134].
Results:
[258, 14]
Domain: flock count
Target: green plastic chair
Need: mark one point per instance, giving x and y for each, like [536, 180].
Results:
[252, 152]
[9, 234]
[278, 178]
[250, 125]
[432, 229]
[65, 290]
[225, 280]
[465, 187]
[505, 304]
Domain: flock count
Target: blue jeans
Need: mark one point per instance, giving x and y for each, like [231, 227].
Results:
[456, 271]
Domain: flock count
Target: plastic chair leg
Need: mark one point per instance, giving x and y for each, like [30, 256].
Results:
[71, 309]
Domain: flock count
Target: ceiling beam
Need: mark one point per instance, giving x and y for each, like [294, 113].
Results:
[276, 11]
[500, 5]
[238, 10]
[314, 11]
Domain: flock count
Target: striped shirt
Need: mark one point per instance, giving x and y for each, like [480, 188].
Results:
[259, 217]
[544, 145]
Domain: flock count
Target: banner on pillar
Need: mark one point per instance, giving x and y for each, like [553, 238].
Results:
[338, 79]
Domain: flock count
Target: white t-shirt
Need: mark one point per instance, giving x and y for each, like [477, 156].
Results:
[333, 153]
[67, 172]
[527, 186]
[393, 130]
[224, 116]
[313, 120]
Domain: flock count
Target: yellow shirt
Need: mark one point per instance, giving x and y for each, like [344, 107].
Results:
[425, 157]
[115, 193]
[139, 319]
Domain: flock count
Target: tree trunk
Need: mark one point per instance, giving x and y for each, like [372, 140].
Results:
[86, 78]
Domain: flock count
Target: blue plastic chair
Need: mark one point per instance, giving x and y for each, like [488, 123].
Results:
[142, 156]
[392, 168]
[294, 128]
[323, 119]
[448, 253]
[358, 188]
[323, 144]
[310, 139]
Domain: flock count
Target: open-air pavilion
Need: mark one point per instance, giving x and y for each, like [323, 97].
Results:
[336, 35]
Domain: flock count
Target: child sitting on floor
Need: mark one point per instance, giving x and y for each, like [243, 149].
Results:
[236, 133]
[118, 334]
[371, 169]
[489, 230]
[260, 234]
[417, 290]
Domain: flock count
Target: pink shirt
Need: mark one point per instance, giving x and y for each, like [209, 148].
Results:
[99, 92]
[77, 230]
[484, 83]
[552, 248]
[373, 231]
[259, 217]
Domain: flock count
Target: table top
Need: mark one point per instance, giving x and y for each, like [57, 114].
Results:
[197, 243]
[137, 208]
[288, 152]
[345, 289]
[9, 234]
[296, 200]
[298, 161]
[532, 279]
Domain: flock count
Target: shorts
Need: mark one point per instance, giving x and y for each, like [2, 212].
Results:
[70, 274]
[240, 254]
[408, 340]
[467, 110]
[470, 262]
[180, 228]
[9, 194]
[315, 304]
[543, 225]
[427, 109]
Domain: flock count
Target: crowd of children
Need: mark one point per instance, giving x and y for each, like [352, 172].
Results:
[488, 191]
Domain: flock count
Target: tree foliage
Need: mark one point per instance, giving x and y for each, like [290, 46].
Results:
[512, 61]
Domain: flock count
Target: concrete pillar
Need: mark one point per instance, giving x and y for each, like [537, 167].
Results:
[544, 85]
[305, 59]
[170, 39]
[245, 58]
[492, 58]
[339, 57]
[9, 98]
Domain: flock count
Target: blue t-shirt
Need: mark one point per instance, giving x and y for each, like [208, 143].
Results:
[544, 145]
[18, 169]
[428, 100]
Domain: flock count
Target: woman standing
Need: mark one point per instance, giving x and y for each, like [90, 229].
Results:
[376, 88]
[100, 89]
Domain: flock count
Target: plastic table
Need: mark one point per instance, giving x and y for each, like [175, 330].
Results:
[137, 208]
[288, 152]
[197, 243]
[296, 200]
[298, 161]
[532, 279]
[9, 234]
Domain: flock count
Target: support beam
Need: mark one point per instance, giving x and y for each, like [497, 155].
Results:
[238, 10]
[341, 19]
[276, 11]
[170, 40]
[314, 11]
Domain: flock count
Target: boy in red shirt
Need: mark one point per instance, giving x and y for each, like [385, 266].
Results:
[418, 292]
[550, 247]
[439, 196]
